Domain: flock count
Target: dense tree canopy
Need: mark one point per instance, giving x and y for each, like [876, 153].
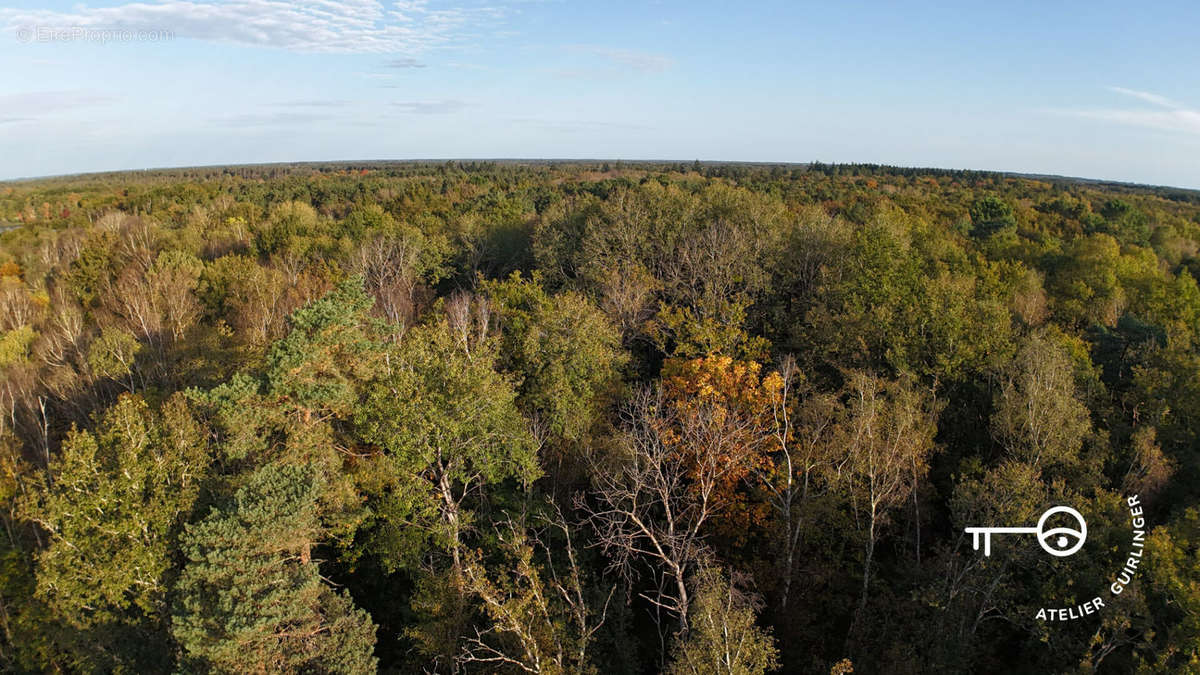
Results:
[579, 418]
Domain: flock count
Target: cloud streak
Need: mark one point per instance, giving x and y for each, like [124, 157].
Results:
[600, 63]
[1164, 114]
[314, 103]
[438, 107]
[312, 26]
[271, 119]
[406, 62]
[1145, 96]
[633, 59]
[576, 126]
[35, 104]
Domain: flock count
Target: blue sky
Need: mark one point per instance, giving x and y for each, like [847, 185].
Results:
[1096, 89]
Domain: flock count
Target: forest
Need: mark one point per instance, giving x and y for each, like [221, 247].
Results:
[594, 417]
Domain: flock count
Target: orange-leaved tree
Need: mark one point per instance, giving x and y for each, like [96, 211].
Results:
[724, 412]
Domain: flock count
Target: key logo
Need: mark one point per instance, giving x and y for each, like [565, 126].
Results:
[1057, 541]
[1062, 531]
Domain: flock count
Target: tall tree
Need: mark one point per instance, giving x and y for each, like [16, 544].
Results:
[1038, 417]
[449, 426]
[252, 600]
[111, 507]
[650, 506]
[804, 462]
[722, 412]
[725, 638]
[540, 612]
[888, 440]
[566, 353]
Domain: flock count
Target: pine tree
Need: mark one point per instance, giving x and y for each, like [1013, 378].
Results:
[251, 598]
[329, 348]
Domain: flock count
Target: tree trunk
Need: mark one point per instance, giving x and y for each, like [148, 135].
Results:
[866, 582]
[681, 585]
[451, 516]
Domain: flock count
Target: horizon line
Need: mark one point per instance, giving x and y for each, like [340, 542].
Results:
[583, 160]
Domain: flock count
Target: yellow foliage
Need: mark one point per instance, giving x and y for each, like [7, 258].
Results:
[14, 345]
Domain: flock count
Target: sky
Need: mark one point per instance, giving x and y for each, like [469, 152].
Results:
[1099, 89]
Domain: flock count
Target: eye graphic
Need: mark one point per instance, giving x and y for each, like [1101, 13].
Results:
[1057, 541]
[1061, 541]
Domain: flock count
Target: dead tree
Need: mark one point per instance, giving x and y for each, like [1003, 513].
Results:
[649, 507]
[389, 267]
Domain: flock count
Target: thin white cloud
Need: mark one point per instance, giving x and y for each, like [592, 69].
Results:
[313, 103]
[591, 62]
[271, 119]
[438, 107]
[1146, 96]
[608, 62]
[1183, 121]
[574, 126]
[469, 66]
[406, 62]
[633, 59]
[34, 104]
[1166, 115]
[315, 26]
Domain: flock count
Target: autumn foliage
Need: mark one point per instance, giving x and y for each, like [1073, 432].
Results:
[561, 418]
[727, 407]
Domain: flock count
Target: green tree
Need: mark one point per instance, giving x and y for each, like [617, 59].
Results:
[990, 215]
[287, 224]
[450, 429]
[91, 271]
[319, 366]
[1038, 417]
[300, 410]
[913, 301]
[112, 507]
[536, 602]
[565, 351]
[251, 598]
[1085, 287]
[888, 439]
[1125, 222]
[14, 345]
[1172, 570]
[113, 354]
[31, 636]
[724, 637]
